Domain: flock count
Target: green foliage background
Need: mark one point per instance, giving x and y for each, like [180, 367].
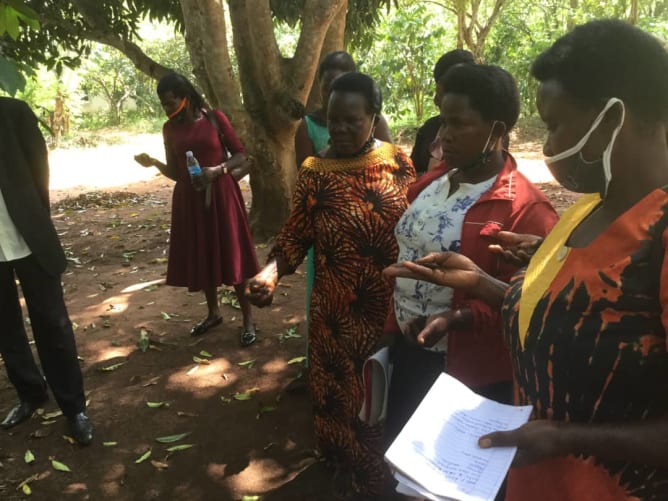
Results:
[399, 52]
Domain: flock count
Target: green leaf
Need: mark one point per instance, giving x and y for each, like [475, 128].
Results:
[11, 79]
[180, 447]
[205, 353]
[202, 361]
[12, 26]
[169, 439]
[157, 405]
[25, 11]
[229, 298]
[113, 367]
[143, 341]
[247, 363]
[29, 457]
[250, 498]
[265, 409]
[51, 415]
[109, 444]
[246, 395]
[58, 466]
[165, 316]
[26, 489]
[290, 333]
[143, 457]
[296, 360]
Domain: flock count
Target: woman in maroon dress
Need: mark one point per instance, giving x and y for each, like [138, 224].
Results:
[210, 241]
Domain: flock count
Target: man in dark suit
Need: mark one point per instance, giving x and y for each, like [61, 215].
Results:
[31, 251]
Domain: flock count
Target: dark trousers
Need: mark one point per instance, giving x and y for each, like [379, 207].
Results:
[52, 330]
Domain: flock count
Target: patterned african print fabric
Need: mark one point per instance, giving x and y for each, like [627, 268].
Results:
[595, 352]
[347, 209]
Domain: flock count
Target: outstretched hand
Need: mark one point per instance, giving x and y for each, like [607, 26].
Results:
[448, 269]
[145, 160]
[516, 248]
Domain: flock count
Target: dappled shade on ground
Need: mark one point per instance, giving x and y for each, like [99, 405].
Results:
[147, 378]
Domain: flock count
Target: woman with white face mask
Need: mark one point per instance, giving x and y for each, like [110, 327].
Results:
[461, 205]
[586, 323]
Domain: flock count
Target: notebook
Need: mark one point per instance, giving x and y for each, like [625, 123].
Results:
[436, 455]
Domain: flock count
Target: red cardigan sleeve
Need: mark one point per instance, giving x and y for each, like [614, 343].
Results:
[536, 218]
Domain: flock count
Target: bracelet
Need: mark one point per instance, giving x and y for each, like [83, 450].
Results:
[224, 169]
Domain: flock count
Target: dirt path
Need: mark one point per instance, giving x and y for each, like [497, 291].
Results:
[248, 437]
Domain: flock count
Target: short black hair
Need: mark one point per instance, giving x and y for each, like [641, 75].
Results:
[180, 86]
[491, 90]
[339, 60]
[610, 58]
[449, 59]
[362, 84]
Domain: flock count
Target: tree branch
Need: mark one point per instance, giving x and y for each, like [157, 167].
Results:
[484, 32]
[243, 46]
[260, 26]
[205, 25]
[132, 51]
[318, 14]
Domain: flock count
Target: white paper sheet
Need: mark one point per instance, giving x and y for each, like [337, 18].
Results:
[438, 448]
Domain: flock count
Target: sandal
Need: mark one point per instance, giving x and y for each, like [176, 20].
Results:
[205, 325]
[248, 337]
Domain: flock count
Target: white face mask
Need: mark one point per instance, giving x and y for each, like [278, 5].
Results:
[484, 156]
[373, 126]
[607, 154]
[489, 138]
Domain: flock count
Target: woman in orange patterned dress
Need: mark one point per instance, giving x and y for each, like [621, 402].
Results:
[346, 205]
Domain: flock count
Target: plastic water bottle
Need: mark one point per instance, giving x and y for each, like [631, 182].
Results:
[193, 165]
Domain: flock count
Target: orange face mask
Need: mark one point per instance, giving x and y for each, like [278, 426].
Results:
[178, 110]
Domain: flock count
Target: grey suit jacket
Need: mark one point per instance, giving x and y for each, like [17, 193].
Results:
[24, 181]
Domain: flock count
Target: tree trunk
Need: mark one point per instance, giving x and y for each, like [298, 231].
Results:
[574, 4]
[273, 89]
[335, 40]
[272, 178]
[206, 40]
[265, 101]
[633, 14]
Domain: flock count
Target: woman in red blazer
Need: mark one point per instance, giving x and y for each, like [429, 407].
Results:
[461, 206]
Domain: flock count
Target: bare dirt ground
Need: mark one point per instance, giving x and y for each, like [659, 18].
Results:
[146, 378]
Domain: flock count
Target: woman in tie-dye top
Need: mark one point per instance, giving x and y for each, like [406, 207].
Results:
[586, 323]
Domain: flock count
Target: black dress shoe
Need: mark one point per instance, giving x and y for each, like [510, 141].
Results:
[81, 428]
[20, 412]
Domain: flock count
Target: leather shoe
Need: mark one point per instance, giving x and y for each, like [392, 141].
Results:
[81, 428]
[20, 412]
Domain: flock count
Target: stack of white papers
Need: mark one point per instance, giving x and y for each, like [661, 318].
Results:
[436, 455]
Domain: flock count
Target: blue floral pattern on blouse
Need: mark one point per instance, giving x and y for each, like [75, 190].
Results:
[432, 223]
